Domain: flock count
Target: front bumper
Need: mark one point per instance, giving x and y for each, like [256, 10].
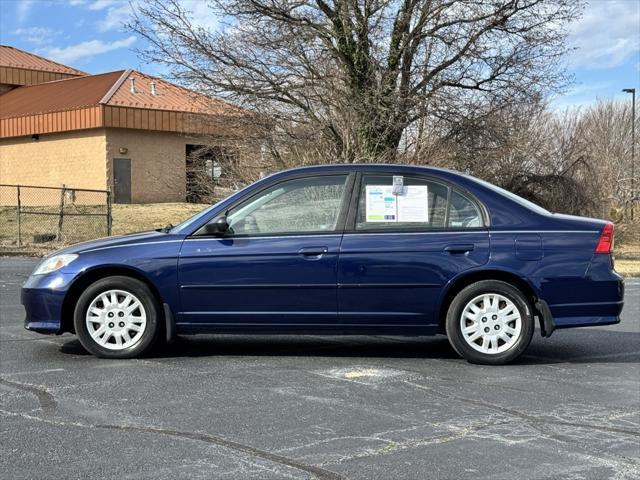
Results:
[42, 297]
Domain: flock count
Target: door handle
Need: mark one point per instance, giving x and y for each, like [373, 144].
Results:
[313, 251]
[454, 249]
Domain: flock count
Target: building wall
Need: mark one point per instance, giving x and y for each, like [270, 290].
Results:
[84, 159]
[158, 161]
[75, 159]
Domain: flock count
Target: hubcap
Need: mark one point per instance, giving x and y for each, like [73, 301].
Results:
[116, 319]
[491, 323]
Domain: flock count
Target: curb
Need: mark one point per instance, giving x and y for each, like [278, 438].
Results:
[21, 253]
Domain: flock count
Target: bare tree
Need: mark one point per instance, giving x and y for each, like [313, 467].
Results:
[359, 76]
[606, 128]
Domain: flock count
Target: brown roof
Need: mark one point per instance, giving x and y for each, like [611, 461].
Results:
[168, 96]
[56, 96]
[113, 89]
[16, 58]
[107, 101]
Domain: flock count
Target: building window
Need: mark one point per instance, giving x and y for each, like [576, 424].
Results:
[205, 169]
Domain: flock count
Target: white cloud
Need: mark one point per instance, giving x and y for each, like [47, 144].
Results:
[23, 10]
[102, 4]
[117, 14]
[37, 35]
[607, 34]
[202, 14]
[86, 49]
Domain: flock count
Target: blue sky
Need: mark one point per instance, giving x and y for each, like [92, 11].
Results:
[88, 35]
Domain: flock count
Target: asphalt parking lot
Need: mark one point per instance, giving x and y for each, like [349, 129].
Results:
[251, 407]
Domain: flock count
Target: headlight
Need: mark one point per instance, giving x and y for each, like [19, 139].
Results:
[55, 263]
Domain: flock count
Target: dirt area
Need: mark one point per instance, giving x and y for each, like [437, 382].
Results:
[137, 218]
[628, 268]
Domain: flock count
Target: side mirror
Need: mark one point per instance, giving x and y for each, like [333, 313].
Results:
[217, 227]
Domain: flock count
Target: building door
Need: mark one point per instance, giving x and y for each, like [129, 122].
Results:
[122, 180]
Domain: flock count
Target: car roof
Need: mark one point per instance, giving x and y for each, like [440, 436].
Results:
[379, 167]
[370, 166]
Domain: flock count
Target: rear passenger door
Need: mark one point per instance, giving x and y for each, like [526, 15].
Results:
[400, 249]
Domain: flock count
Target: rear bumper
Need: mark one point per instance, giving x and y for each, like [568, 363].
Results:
[42, 298]
[596, 299]
[590, 321]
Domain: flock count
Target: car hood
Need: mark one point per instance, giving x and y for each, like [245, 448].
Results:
[118, 240]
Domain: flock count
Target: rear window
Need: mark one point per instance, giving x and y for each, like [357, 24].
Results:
[512, 196]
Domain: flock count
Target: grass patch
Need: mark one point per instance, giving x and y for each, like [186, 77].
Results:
[628, 268]
[44, 221]
[40, 225]
[149, 216]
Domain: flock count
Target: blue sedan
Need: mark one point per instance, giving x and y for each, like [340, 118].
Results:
[344, 249]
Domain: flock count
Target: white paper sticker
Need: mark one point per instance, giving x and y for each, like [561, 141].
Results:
[413, 204]
[398, 184]
[381, 204]
[409, 206]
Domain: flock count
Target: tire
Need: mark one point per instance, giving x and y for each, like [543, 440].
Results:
[490, 322]
[117, 317]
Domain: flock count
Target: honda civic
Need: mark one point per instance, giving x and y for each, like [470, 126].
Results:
[337, 250]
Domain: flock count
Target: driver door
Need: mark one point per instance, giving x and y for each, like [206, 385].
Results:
[276, 265]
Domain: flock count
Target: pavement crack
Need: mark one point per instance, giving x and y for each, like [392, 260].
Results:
[525, 416]
[47, 401]
[317, 472]
[392, 446]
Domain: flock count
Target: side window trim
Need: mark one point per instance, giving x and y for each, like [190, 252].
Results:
[447, 211]
[350, 226]
[340, 223]
[346, 202]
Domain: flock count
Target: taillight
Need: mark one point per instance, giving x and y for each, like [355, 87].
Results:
[605, 244]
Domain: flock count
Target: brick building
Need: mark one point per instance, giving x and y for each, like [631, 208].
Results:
[122, 130]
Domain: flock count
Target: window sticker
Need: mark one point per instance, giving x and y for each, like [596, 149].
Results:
[381, 204]
[410, 205]
[398, 184]
[413, 204]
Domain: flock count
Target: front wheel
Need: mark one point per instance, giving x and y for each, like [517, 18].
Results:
[117, 317]
[490, 322]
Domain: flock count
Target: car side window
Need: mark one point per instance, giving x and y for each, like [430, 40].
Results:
[421, 204]
[463, 213]
[303, 205]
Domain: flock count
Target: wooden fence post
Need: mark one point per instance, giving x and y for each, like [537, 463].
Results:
[61, 217]
[18, 217]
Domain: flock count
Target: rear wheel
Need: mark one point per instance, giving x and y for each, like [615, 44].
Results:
[117, 317]
[490, 322]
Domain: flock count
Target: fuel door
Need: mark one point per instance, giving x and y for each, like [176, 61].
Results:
[528, 246]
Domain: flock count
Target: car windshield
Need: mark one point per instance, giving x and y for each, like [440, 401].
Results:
[196, 218]
[193, 219]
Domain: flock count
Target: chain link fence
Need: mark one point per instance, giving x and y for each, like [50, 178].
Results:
[50, 216]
